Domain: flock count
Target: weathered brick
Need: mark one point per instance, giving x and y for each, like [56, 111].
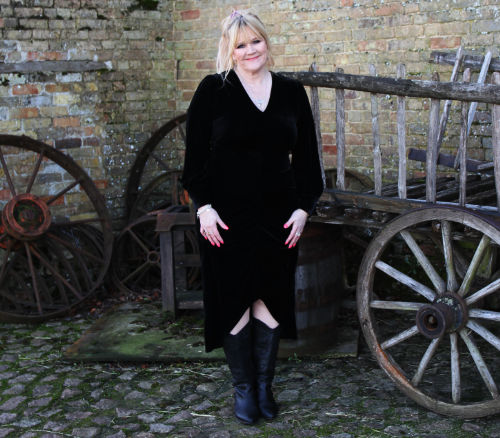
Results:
[68, 143]
[191, 14]
[445, 43]
[25, 113]
[25, 89]
[64, 122]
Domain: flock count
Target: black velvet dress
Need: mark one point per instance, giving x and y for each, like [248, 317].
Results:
[238, 160]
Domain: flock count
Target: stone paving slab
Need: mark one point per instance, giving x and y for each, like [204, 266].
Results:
[141, 332]
[42, 395]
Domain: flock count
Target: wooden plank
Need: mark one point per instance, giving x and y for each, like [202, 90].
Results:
[496, 139]
[167, 273]
[377, 154]
[462, 148]
[446, 160]
[431, 161]
[340, 135]
[317, 122]
[487, 93]
[388, 204]
[401, 122]
[53, 66]
[480, 80]
[447, 103]
[470, 61]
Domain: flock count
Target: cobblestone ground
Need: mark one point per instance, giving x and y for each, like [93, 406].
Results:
[41, 395]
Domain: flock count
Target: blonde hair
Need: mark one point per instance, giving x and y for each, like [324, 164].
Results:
[232, 27]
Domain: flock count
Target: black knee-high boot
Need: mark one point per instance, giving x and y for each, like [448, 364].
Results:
[265, 349]
[238, 350]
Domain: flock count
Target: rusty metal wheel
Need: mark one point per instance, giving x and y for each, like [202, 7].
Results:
[55, 232]
[428, 302]
[153, 184]
[136, 266]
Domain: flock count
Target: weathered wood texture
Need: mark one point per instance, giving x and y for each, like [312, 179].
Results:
[496, 139]
[447, 103]
[480, 80]
[377, 153]
[317, 122]
[401, 121]
[462, 148]
[340, 134]
[470, 61]
[52, 66]
[487, 93]
[432, 152]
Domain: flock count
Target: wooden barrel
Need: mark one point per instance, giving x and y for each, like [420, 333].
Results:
[318, 281]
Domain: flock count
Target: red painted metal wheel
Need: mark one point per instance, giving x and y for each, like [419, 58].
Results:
[55, 232]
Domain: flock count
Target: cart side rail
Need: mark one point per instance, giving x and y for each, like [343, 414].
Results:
[465, 92]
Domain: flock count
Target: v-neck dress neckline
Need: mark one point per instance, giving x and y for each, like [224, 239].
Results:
[249, 99]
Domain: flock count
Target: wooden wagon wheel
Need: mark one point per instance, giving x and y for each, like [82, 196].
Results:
[429, 314]
[136, 266]
[55, 232]
[153, 184]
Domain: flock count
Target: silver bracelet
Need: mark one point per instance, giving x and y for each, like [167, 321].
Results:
[203, 209]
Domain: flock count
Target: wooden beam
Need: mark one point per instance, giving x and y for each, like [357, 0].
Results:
[470, 61]
[53, 66]
[470, 92]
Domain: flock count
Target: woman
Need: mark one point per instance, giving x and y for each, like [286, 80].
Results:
[252, 204]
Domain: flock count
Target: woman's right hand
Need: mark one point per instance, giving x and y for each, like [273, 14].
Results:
[209, 218]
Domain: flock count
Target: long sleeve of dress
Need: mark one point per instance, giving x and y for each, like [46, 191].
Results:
[195, 177]
[305, 157]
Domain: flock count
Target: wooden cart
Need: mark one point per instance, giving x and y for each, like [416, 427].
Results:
[429, 281]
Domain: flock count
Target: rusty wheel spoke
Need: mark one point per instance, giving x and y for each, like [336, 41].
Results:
[145, 265]
[73, 247]
[35, 172]
[7, 174]
[33, 277]
[139, 241]
[62, 192]
[54, 272]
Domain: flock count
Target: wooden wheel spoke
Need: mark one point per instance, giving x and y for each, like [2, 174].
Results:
[7, 174]
[62, 192]
[406, 280]
[484, 333]
[181, 132]
[424, 362]
[451, 278]
[456, 387]
[395, 305]
[436, 280]
[34, 173]
[400, 337]
[474, 264]
[136, 272]
[484, 292]
[72, 247]
[54, 272]
[139, 241]
[33, 277]
[484, 314]
[480, 363]
[160, 161]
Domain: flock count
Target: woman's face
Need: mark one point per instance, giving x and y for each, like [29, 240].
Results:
[250, 53]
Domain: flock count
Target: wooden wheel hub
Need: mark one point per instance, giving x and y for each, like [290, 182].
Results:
[446, 314]
[26, 217]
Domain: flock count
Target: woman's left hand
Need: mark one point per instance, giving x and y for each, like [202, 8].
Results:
[297, 221]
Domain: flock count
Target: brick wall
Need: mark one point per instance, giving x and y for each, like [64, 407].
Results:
[102, 116]
[154, 53]
[351, 35]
